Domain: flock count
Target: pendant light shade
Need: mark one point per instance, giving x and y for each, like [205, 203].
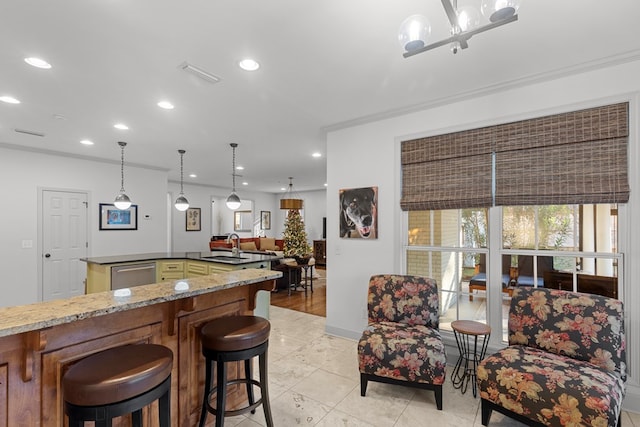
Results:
[233, 201]
[122, 200]
[291, 200]
[182, 204]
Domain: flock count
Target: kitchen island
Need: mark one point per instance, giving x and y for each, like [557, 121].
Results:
[113, 272]
[39, 342]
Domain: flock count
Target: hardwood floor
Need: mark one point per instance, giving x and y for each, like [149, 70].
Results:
[312, 303]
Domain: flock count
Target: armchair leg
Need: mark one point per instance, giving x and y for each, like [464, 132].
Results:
[438, 391]
[486, 412]
[363, 384]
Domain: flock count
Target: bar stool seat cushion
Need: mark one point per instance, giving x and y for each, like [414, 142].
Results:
[235, 333]
[117, 374]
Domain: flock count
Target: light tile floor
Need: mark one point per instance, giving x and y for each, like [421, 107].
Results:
[314, 381]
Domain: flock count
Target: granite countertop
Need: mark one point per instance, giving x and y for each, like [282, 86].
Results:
[223, 257]
[31, 317]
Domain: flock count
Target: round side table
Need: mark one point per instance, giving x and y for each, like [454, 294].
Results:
[470, 357]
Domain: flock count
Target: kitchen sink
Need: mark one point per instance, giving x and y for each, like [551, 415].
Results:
[225, 257]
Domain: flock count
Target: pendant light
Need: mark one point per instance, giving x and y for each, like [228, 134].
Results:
[291, 200]
[233, 201]
[122, 200]
[182, 204]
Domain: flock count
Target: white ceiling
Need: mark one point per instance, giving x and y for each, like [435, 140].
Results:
[325, 64]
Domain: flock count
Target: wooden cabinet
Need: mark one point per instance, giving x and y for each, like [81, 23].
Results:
[320, 251]
[169, 270]
[33, 363]
[203, 268]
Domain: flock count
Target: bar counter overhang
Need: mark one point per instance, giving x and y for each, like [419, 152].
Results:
[38, 342]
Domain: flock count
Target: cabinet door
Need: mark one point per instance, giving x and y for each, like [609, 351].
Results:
[169, 270]
[220, 268]
[197, 269]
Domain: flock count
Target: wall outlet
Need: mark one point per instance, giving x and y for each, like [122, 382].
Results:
[27, 244]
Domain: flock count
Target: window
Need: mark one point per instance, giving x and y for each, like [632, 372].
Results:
[571, 247]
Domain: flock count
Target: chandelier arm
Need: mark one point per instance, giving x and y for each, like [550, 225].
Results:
[463, 36]
[451, 14]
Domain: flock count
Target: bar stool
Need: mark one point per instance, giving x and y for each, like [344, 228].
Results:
[119, 381]
[234, 339]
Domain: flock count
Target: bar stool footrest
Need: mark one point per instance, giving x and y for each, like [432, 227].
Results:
[234, 412]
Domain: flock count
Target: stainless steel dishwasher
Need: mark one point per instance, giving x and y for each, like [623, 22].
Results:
[126, 276]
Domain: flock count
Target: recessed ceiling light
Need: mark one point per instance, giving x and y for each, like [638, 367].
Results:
[166, 105]
[240, 168]
[121, 126]
[325, 184]
[245, 183]
[317, 155]
[86, 142]
[193, 175]
[249, 64]
[9, 99]
[283, 189]
[38, 63]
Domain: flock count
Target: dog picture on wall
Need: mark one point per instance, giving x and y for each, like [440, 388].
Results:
[358, 213]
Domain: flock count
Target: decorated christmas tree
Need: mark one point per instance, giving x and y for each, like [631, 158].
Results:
[295, 237]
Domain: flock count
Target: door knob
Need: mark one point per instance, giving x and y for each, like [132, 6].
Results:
[47, 255]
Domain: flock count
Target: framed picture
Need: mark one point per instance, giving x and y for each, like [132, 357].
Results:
[112, 218]
[359, 213]
[265, 220]
[192, 216]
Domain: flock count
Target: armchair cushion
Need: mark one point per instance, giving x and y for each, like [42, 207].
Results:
[397, 350]
[549, 388]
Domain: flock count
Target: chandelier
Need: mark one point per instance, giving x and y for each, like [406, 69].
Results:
[291, 200]
[233, 201]
[465, 23]
[122, 201]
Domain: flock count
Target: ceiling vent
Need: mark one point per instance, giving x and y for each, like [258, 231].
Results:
[29, 132]
[199, 72]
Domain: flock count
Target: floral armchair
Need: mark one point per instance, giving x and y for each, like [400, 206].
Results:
[565, 364]
[402, 344]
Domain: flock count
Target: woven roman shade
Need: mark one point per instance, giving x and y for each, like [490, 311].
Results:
[570, 158]
[451, 171]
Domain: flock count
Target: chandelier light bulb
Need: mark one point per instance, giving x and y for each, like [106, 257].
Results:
[414, 32]
[497, 10]
[468, 18]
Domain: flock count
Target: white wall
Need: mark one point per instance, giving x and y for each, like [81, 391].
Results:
[200, 197]
[354, 261]
[23, 174]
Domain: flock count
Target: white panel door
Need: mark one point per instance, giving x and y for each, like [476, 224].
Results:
[64, 242]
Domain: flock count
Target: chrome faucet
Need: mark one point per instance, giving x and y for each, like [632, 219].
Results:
[234, 251]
